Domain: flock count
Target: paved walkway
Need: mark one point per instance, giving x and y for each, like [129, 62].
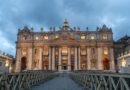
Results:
[63, 82]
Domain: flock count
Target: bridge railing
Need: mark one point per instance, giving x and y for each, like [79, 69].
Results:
[99, 80]
[24, 80]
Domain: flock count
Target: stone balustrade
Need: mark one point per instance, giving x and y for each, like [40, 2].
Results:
[24, 80]
[100, 80]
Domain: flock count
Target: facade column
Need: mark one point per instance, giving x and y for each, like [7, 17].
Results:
[43, 67]
[18, 60]
[112, 62]
[88, 59]
[59, 59]
[100, 62]
[53, 58]
[49, 58]
[96, 58]
[33, 56]
[69, 61]
[79, 61]
[40, 59]
[30, 59]
[75, 61]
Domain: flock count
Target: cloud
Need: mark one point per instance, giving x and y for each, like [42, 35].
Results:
[6, 44]
[15, 14]
[112, 21]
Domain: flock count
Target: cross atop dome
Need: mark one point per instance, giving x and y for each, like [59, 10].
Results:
[66, 25]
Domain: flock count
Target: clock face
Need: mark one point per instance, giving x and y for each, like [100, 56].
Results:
[24, 37]
[104, 36]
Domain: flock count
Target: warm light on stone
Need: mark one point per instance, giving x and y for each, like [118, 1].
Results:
[46, 37]
[36, 38]
[65, 49]
[123, 63]
[6, 63]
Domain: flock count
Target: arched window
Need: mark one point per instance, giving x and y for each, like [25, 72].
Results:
[82, 36]
[46, 37]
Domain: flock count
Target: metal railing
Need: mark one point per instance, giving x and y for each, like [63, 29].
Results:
[98, 80]
[24, 80]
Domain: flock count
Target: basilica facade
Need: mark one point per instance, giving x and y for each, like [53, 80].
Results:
[65, 48]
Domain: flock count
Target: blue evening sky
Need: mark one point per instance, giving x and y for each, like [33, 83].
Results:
[16, 14]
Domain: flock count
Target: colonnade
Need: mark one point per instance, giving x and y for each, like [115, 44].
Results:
[77, 58]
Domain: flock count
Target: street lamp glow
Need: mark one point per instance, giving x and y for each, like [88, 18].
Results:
[6, 64]
[123, 63]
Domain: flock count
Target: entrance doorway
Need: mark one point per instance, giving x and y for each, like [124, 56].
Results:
[23, 63]
[106, 65]
[64, 64]
[64, 67]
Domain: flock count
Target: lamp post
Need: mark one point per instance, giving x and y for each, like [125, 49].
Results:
[123, 64]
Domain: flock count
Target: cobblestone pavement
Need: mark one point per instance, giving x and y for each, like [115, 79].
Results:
[62, 82]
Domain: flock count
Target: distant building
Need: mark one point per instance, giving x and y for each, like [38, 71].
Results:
[6, 62]
[123, 54]
[65, 48]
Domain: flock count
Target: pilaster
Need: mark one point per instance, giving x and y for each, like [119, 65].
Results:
[69, 61]
[88, 59]
[50, 58]
[75, 63]
[53, 58]
[18, 60]
[100, 62]
[40, 59]
[59, 59]
[79, 59]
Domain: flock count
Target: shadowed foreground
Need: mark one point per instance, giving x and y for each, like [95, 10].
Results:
[62, 82]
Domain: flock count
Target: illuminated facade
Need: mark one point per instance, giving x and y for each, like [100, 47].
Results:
[124, 62]
[6, 62]
[123, 54]
[65, 49]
